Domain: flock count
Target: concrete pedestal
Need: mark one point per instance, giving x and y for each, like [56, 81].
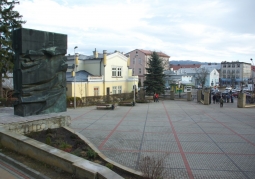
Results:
[241, 100]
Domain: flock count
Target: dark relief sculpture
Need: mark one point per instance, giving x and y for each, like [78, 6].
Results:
[39, 72]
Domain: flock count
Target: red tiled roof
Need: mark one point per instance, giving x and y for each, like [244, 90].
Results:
[148, 52]
[177, 67]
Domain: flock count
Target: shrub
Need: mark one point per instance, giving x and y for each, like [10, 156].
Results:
[48, 141]
[91, 154]
[109, 165]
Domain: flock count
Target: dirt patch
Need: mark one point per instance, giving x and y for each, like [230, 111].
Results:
[64, 140]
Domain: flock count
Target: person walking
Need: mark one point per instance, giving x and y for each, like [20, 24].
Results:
[214, 98]
[157, 96]
[154, 97]
[221, 102]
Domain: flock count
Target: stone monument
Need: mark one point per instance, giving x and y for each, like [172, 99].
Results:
[39, 74]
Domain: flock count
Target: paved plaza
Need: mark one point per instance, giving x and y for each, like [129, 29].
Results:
[196, 141]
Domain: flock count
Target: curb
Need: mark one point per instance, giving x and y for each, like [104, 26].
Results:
[22, 167]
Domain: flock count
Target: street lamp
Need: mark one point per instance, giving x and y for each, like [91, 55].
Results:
[75, 67]
[252, 76]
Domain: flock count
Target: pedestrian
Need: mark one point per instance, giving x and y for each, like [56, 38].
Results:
[221, 102]
[214, 98]
[154, 97]
[157, 96]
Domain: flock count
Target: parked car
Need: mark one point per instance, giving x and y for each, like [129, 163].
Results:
[235, 94]
[167, 88]
[228, 88]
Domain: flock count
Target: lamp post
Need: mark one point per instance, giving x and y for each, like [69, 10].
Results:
[252, 76]
[75, 66]
[179, 89]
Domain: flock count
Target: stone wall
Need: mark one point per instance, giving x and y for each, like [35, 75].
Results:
[39, 125]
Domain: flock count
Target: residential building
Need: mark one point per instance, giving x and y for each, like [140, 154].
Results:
[99, 74]
[139, 59]
[188, 77]
[234, 73]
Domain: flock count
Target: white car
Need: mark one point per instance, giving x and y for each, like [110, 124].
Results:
[228, 88]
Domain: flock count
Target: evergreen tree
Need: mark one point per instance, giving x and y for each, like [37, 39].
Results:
[155, 78]
[9, 21]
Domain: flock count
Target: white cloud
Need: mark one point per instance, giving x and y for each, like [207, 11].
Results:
[198, 30]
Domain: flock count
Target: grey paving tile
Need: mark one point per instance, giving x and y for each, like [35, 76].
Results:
[200, 147]
[244, 162]
[118, 135]
[161, 136]
[226, 138]
[193, 137]
[210, 162]
[237, 148]
[158, 129]
[217, 130]
[121, 144]
[217, 174]
[160, 146]
[128, 159]
[250, 174]
[134, 128]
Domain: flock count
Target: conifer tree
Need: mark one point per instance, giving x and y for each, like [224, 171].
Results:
[154, 82]
[9, 21]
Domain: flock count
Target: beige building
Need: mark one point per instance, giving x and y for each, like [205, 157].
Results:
[99, 74]
[139, 59]
[234, 73]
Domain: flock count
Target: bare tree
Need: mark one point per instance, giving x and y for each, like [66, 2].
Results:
[201, 74]
[153, 167]
[82, 91]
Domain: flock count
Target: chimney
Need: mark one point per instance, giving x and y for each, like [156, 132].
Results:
[105, 56]
[95, 53]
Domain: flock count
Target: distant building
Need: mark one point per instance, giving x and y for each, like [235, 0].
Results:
[234, 73]
[175, 68]
[139, 59]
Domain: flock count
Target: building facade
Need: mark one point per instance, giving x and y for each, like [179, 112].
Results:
[99, 74]
[235, 73]
[139, 62]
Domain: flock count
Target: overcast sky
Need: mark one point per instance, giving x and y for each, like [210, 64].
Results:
[202, 30]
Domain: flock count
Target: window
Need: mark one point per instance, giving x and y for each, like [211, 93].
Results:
[228, 71]
[119, 89]
[114, 89]
[133, 60]
[140, 61]
[116, 71]
[238, 65]
[228, 76]
[224, 76]
[96, 91]
[113, 71]
[228, 65]
[233, 66]
[133, 71]
[140, 70]
[224, 71]
[233, 71]
[237, 71]
[224, 66]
